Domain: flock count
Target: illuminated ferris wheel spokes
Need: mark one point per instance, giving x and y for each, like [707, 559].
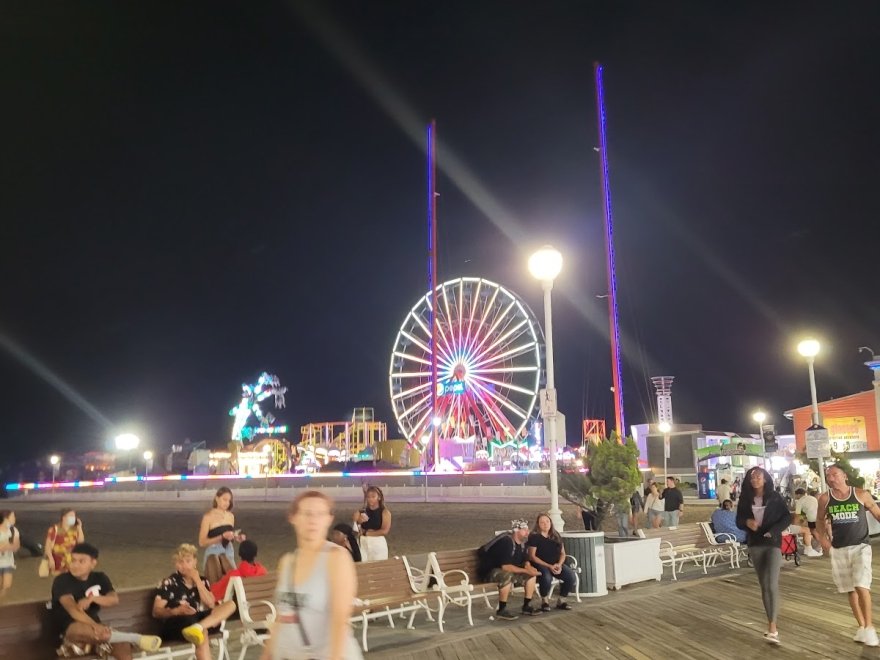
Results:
[488, 363]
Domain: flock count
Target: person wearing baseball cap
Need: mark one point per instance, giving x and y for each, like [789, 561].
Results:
[509, 567]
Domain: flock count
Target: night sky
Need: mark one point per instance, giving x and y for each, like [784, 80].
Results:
[195, 192]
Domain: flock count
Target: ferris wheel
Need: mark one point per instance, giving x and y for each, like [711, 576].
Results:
[488, 363]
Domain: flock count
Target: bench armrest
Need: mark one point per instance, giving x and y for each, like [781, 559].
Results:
[573, 563]
[465, 581]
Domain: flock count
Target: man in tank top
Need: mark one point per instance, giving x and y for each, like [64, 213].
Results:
[846, 540]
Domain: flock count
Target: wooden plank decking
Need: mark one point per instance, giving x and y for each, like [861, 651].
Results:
[718, 616]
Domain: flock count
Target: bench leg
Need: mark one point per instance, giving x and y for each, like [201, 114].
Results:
[441, 610]
[412, 616]
[364, 632]
[390, 616]
[577, 587]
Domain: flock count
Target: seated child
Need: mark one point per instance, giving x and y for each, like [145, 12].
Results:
[186, 606]
[247, 567]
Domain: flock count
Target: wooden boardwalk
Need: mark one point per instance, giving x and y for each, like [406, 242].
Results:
[718, 616]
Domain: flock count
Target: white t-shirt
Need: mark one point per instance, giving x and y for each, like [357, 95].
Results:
[808, 506]
[758, 510]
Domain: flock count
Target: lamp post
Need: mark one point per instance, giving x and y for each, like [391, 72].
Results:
[760, 416]
[127, 442]
[267, 448]
[545, 265]
[54, 460]
[665, 428]
[809, 348]
[148, 464]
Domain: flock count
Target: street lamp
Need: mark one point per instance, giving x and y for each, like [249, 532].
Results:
[809, 348]
[54, 459]
[545, 265]
[665, 428]
[127, 442]
[148, 463]
[760, 416]
[267, 448]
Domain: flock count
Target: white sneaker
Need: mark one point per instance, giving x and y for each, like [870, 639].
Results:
[870, 638]
[859, 636]
[809, 552]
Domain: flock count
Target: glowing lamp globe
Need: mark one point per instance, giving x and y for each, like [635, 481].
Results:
[759, 416]
[148, 455]
[808, 348]
[545, 264]
[127, 441]
[664, 427]
[54, 460]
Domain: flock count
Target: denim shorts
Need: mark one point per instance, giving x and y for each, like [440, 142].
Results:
[7, 569]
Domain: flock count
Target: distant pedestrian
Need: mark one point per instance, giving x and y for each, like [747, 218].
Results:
[735, 488]
[848, 545]
[673, 503]
[763, 515]
[722, 492]
[61, 539]
[10, 542]
[806, 507]
[636, 503]
[653, 506]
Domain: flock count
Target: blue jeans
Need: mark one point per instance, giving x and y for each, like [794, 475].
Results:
[546, 577]
[670, 518]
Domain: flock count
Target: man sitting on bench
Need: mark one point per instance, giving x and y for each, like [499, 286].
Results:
[77, 599]
[186, 606]
[509, 567]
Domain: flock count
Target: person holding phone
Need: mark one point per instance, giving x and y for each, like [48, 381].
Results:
[374, 521]
[217, 534]
[61, 539]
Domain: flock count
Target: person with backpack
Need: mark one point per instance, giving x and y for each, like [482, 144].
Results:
[504, 561]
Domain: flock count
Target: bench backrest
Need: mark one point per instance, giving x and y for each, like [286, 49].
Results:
[691, 534]
[256, 589]
[386, 578]
[462, 560]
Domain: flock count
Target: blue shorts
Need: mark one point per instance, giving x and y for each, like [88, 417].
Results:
[7, 569]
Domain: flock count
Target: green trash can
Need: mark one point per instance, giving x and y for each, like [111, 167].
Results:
[589, 550]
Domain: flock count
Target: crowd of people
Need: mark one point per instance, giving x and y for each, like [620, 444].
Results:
[317, 583]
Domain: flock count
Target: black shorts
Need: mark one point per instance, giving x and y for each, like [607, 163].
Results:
[172, 627]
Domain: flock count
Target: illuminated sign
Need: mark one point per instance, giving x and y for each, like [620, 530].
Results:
[847, 433]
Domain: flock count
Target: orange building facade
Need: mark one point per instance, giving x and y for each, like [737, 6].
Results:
[852, 422]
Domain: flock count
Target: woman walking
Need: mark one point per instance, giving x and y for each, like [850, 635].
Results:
[316, 589]
[216, 535]
[60, 540]
[653, 506]
[547, 554]
[375, 523]
[10, 541]
[762, 514]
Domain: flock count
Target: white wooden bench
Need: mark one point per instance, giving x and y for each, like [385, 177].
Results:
[684, 544]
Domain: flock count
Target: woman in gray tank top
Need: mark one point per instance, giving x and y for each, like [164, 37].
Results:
[317, 586]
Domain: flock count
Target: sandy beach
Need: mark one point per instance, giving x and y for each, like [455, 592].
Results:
[136, 539]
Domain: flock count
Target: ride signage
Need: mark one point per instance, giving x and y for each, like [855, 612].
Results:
[818, 442]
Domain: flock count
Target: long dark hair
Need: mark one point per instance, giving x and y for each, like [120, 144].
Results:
[553, 535]
[348, 531]
[747, 491]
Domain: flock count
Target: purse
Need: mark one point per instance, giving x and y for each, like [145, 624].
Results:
[43, 569]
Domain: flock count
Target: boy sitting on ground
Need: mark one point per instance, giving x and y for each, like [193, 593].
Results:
[77, 599]
[186, 606]
[247, 567]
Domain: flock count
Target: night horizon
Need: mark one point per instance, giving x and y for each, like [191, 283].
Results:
[197, 194]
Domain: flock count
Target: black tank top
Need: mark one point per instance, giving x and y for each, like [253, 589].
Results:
[375, 519]
[849, 520]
